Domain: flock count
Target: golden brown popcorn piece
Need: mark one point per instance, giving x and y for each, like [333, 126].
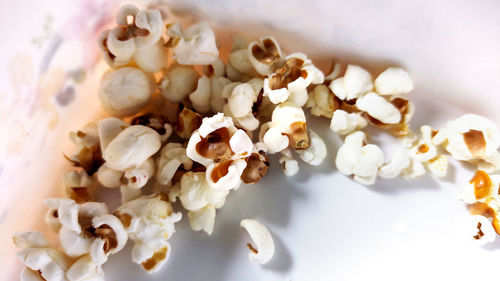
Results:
[187, 122]
[257, 167]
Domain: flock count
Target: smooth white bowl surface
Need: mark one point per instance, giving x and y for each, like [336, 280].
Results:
[326, 226]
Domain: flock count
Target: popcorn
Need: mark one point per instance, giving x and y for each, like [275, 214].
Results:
[178, 83]
[289, 166]
[85, 269]
[194, 46]
[264, 250]
[172, 157]
[291, 79]
[316, 152]
[138, 41]
[288, 120]
[226, 174]
[78, 186]
[356, 82]
[217, 101]
[157, 122]
[131, 147]
[196, 193]
[471, 137]
[481, 230]
[108, 177]
[257, 166]
[379, 108]
[125, 91]
[322, 102]
[215, 69]
[89, 229]
[356, 158]
[483, 188]
[200, 98]
[263, 54]
[239, 60]
[399, 162]
[41, 260]
[241, 98]
[203, 219]
[393, 81]
[149, 222]
[88, 155]
[344, 123]
[187, 122]
[138, 177]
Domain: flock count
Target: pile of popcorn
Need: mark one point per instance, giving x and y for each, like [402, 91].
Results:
[194, 128]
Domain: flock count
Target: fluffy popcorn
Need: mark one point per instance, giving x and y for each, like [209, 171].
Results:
[78, 186]
[200, 98]
[108, 177]
[138, 177]
[289, 165]
[263, 54]
[234, 75]
[344, 123]
[356, 82]
[131, 147]
[239, 60]
[379, 108]
[482, 188]
[482, 232]
[157, 122]
[41, 260]
[322, 102]
[203, 219]
[88, 229]
[226, 174]
[261, 237]
[399, 162]
[288, 120]
[334, 72]
[393, 81]
[85, 269]
[291, 79]
[196, 193]
[139, 41]
[215, 69]
[241, 98]
[194, 46]
[316, 152]
[125, 91]
[178, 83]
[356, 158]
[172, 157]
[88, 155]
[149, 222]
[471, 137]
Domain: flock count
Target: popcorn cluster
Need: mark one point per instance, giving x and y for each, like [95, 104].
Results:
[193, 126]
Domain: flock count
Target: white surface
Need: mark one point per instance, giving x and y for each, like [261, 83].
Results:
[326, 227]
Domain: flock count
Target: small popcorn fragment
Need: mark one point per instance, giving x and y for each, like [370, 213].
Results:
[261, 237]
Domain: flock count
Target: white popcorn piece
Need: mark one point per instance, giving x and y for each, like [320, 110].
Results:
[111, 237]
[414, 170]
[261, 237]
[108, 129]
[356, 82]
[241, 98]
[196, 193]
[379, 108]
[194, 46]
[217, 100]
[125, 91]
[356, 158]
[203, 219]
[78, 185]
[215, 69]
[138, 177]
[178, 83]
[234, 75]
[139, 41]
[287, 122]
[263, 54]
[291, 79]
[334, 72]
[41, 260]
[289, 165]
[85, 269]
[344, 123]
[108, 177]
[86, 137]
[172, 156]
[322, 102]
[393, 81]
[200, 98]
[399, 162]
[316, 152]
[470, 137]
[225, 175]
[240, 61]
[482, 232]
[131, 147]
[149, 222]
